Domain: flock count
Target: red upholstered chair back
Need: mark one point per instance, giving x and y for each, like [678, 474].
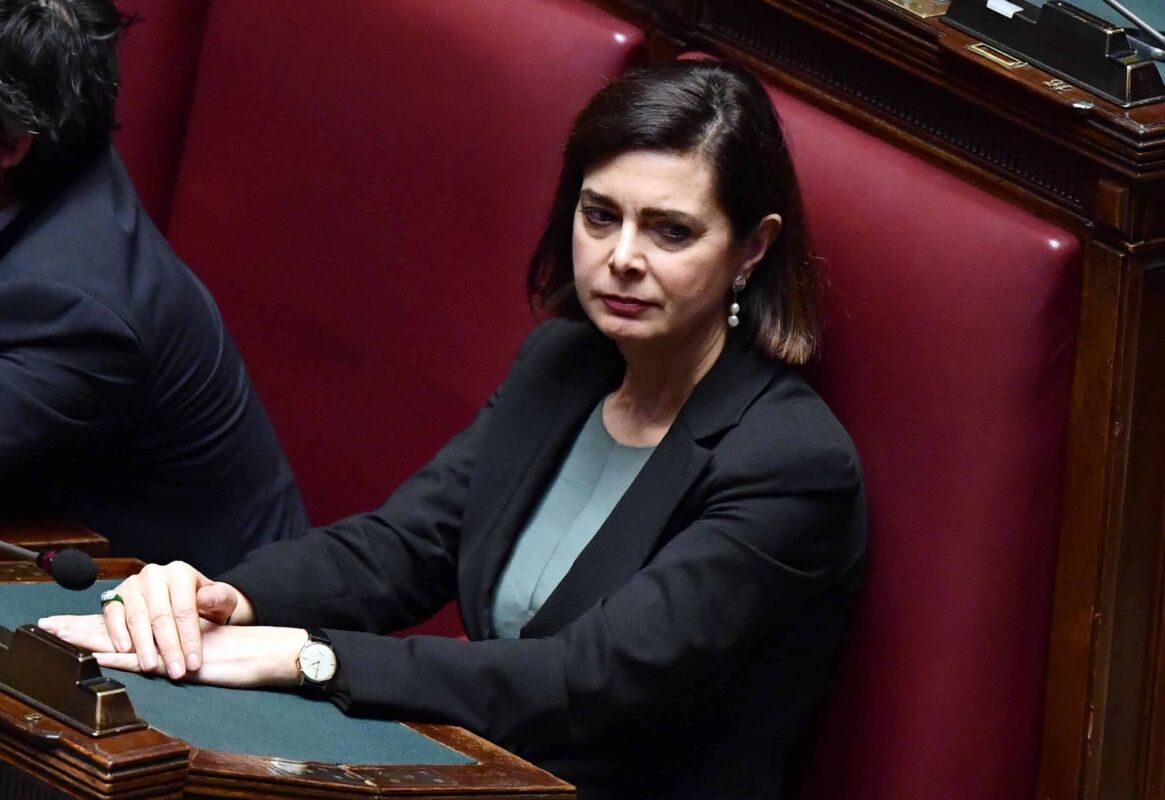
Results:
[948, 354]
[361, 188]
[159, 59]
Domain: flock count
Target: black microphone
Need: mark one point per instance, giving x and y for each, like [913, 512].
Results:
[69, 567]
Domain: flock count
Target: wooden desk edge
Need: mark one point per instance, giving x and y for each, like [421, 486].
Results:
[107, 569]
[495, 772]
[43, 535]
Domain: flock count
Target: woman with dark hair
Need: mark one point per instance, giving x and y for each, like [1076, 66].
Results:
[654, 527]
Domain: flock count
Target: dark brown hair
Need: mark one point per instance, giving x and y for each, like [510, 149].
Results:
[723, 113]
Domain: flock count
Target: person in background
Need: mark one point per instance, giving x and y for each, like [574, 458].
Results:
[124, 404]
[654, 527]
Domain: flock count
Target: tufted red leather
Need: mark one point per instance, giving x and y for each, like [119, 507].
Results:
[159, 57]
[949, 352]
[361, 189]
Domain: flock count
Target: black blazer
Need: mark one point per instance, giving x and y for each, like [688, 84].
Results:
[124, 404]
[682, 652]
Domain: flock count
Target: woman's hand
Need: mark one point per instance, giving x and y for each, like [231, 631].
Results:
[232, 656]
[161, 613]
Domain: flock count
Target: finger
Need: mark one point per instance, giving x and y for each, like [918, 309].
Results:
[137, 610]
[183, 583]
[162, 622]
[126, 662]
[115, 618]
[87, 633]
[217, 602]
[54, 623]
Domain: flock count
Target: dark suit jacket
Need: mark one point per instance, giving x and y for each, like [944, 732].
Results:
[684, 649]
[123, 402]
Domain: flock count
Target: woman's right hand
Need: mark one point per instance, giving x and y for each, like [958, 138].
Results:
[160, 612]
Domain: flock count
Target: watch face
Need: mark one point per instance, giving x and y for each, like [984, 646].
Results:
[317, 662]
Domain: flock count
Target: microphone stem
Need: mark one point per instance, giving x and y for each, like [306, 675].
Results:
[21, 553]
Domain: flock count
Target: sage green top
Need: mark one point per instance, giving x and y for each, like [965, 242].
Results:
[595, 474]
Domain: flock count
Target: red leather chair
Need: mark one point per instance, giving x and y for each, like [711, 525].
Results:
[361, 187]
[159, 60]
[948, 354]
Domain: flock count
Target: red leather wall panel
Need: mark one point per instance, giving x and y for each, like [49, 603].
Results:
[949, 352]
[159, 57]
[362, 186]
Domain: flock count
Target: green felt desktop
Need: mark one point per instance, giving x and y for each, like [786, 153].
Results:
[276, 724]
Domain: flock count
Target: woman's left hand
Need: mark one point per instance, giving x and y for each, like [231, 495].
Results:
[233, 655]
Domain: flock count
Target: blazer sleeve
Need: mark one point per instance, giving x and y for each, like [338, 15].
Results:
[68, 364]
[781, 525]
[379, 571]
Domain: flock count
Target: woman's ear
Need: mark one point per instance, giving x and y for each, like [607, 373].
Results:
[759, 241]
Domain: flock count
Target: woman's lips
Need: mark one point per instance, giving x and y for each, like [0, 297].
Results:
[629, 306]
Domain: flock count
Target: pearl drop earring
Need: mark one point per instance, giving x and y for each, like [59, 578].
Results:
[734, 307]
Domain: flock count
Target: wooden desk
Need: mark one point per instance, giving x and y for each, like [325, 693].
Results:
[47, 534]
[41, 758]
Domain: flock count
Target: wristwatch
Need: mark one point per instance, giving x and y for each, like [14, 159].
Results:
[317, 661]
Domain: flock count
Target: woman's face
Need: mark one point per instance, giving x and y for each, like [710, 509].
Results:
[654, 257]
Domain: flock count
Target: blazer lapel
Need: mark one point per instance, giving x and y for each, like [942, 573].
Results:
[631, 533]
[520, 458]
[624, 542]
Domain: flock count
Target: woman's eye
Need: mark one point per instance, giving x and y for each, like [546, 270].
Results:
[673, 233]
[597, 216]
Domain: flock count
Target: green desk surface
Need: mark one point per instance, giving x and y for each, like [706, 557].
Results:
[275, 724]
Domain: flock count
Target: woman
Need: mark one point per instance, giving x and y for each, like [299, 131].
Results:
[654, 526]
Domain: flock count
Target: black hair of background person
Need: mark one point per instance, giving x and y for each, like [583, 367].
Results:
[59, 82]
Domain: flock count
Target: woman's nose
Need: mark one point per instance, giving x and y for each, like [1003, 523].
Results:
[625, 257]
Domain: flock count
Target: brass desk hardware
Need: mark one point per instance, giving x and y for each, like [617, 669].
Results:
[1117, 63]
[64, 682]
[922, 8]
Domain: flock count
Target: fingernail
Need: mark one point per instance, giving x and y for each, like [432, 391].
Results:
[124, 645]
[193, 662]
[175, 668]
[148, 662]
